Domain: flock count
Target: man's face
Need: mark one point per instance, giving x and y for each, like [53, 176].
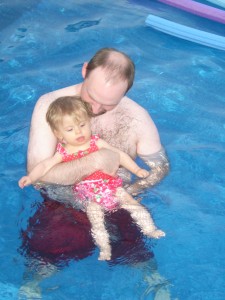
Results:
[103, 96]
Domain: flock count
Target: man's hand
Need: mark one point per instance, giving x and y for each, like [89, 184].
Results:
[159, 165]
[107, 161]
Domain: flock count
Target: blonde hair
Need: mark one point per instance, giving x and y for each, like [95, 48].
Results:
[73, 106]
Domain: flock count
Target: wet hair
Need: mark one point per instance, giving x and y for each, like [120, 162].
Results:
[116, 64]
[73, 106]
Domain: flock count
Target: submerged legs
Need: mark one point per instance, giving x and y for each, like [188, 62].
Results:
[100, 235]
[139, 214]
[37, 270]
[156, 283]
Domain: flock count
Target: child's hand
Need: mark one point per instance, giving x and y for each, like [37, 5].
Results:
[142, 173]
[24, 181]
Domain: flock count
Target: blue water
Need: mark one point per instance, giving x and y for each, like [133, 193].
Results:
[43, 46]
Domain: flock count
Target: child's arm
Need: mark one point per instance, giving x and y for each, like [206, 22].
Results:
[125, 160]
[40, 170]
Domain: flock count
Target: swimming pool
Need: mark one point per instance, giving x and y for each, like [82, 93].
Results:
[43, 45]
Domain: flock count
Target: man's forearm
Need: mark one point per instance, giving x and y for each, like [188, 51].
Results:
[159, 165]
[69, 173]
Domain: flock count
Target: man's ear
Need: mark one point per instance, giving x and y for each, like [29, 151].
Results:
[84, 69]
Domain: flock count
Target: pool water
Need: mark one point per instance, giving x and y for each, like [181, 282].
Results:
[43, 46]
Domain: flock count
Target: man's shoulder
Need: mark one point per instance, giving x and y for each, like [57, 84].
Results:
[132, 106]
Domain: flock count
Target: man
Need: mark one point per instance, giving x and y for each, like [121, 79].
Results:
[57, 232]
[118, 120]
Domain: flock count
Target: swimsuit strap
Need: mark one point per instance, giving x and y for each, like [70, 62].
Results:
[61, 149]
[94, 139]
[68, 157]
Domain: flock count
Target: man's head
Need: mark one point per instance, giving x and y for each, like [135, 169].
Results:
[107, 78]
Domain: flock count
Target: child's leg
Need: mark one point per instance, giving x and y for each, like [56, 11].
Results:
[139, 213]
[100, 235]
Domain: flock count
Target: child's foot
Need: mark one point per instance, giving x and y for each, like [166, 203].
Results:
[156, 234]
[104, 255]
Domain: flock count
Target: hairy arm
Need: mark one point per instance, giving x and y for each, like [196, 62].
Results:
[159, 165]
[68, 173]
[150, 150]
[42, 145]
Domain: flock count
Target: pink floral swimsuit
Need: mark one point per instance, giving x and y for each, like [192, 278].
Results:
[98, 187]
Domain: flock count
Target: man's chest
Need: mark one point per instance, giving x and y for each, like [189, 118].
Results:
[118, 130]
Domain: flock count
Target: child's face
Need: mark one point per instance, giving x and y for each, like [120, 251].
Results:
[72, 132]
